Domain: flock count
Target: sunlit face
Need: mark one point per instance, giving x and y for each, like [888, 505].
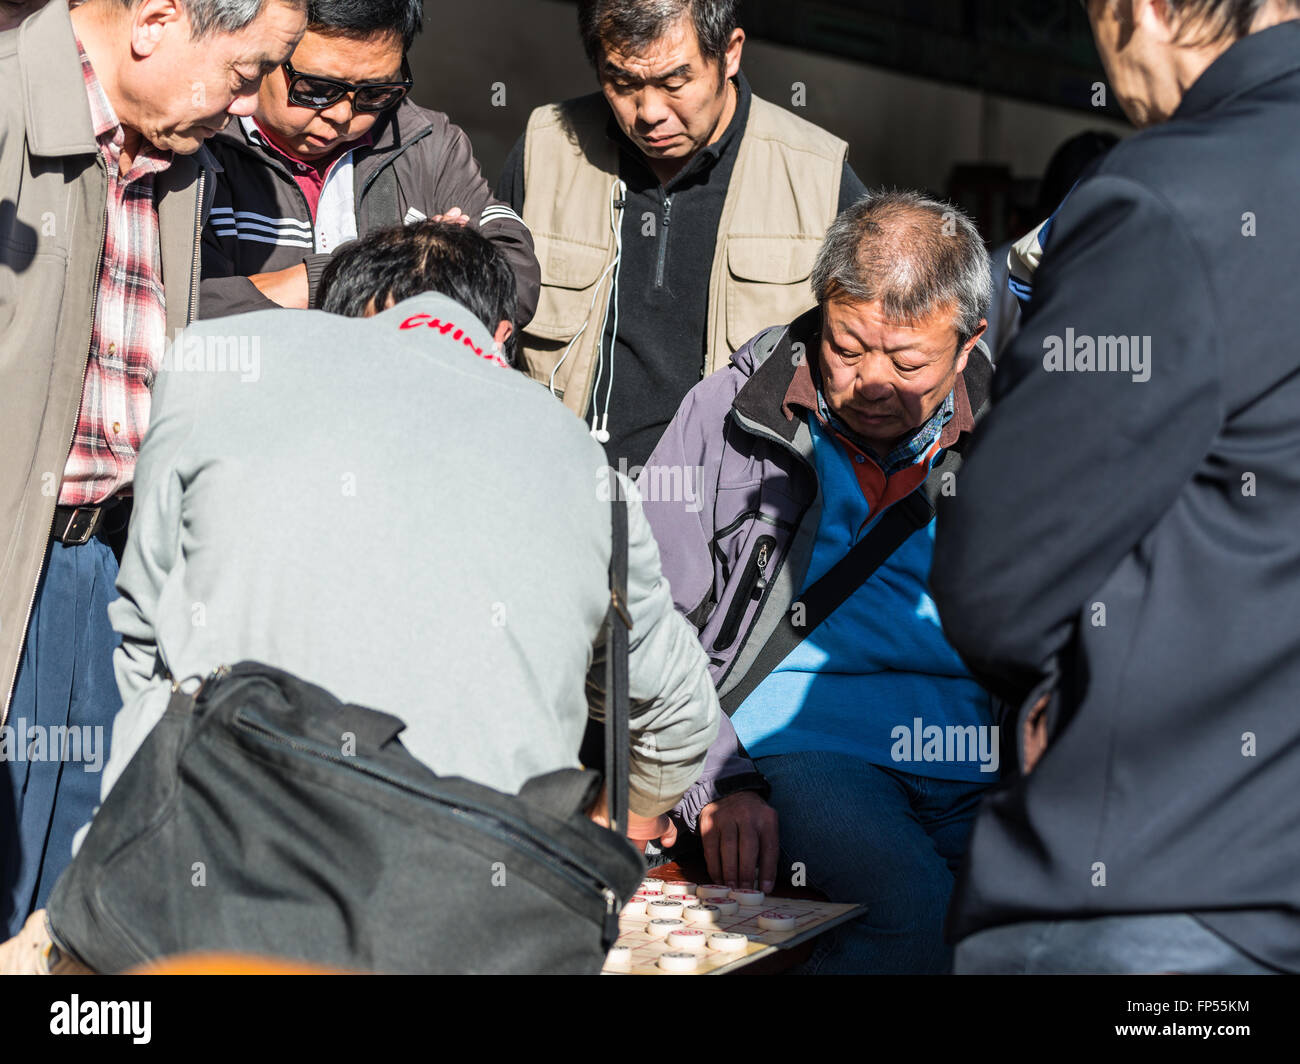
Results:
[668, 99]
[308, 133]
[1137, 51]
[884, 379]
[177, 92]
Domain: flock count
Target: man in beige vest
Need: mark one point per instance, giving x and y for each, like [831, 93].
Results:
[675, 215]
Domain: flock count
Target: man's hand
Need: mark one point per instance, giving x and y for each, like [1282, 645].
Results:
[288, 287]
[30, 952]
[640, 829]
[454, 215]
[1035, 733]
[739, 835]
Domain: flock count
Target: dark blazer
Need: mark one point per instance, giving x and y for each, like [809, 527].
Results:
[1136, 538]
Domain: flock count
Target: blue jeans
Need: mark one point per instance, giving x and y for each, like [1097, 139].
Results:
[49, 777]
[1104, 945]
[886, 839]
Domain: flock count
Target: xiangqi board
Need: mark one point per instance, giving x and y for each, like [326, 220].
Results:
[670, 928]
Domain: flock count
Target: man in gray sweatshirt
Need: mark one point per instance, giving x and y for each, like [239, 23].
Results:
[330, 495]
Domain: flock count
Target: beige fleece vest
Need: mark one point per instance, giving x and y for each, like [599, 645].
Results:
[783, 195]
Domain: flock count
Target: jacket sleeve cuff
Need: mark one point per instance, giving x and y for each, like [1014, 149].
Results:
[706, 792]
[315, 267]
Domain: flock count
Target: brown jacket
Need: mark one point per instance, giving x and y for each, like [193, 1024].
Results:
[53, 196]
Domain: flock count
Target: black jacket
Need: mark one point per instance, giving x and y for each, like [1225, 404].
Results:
[420, 152]
[1137, 542]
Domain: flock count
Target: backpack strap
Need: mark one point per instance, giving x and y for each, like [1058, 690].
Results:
[618, 622]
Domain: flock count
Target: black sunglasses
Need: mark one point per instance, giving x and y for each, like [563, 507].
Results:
[318, 93]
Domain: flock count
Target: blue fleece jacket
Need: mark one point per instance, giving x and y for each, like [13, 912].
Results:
[876, 679]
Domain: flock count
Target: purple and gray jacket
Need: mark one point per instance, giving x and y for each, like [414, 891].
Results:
[732, 495]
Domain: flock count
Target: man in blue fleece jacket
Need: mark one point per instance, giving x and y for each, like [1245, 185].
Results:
[873, 738]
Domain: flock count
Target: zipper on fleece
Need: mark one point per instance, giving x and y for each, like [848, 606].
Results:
[753, 583]
[663, 241]
[198, 253]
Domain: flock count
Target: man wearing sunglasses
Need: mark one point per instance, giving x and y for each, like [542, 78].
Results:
[336, 149]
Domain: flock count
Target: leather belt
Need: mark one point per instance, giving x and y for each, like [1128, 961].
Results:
[75, 525]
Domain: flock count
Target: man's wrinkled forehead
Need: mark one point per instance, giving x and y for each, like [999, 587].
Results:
[673, 54]
[873, 325]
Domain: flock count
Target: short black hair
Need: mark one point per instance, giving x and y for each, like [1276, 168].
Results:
[361, 18]
[1067, 164]
[390, 265]
[636, 24]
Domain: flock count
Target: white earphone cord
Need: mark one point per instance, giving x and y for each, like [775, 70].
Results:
[616, 207]
[600, 422]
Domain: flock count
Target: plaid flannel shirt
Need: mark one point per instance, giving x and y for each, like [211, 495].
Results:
[128, 333]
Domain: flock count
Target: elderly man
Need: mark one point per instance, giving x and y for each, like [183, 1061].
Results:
[337, 148]
[1121, 563]
[801, 553]
[675, 215]
[100, 209]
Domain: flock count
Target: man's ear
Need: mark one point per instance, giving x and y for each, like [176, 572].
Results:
[969, 345]
[150, 21]
[503, 333]
[731, 57]
[1158, 18]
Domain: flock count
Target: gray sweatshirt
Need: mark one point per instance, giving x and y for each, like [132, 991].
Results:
[373, 506]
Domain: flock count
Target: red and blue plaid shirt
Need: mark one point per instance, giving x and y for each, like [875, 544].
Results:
[129, 331]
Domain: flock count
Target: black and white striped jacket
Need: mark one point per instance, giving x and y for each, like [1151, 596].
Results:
[260, 221]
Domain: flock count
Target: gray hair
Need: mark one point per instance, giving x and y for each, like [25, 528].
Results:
[211, 17]
[914, 254]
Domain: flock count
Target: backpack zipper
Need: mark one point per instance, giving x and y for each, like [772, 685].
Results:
[493, 824]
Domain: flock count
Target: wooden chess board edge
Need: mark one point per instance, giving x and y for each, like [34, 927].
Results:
[798, 937]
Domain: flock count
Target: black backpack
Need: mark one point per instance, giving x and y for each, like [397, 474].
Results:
[263, 816]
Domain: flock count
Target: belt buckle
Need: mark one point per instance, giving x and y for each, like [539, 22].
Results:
[81, 526]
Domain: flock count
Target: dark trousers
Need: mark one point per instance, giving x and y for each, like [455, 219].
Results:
[1141, 944]
[56, 739]
[890, 840]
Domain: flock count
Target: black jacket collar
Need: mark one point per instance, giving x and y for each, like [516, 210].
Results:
[1254, 60]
